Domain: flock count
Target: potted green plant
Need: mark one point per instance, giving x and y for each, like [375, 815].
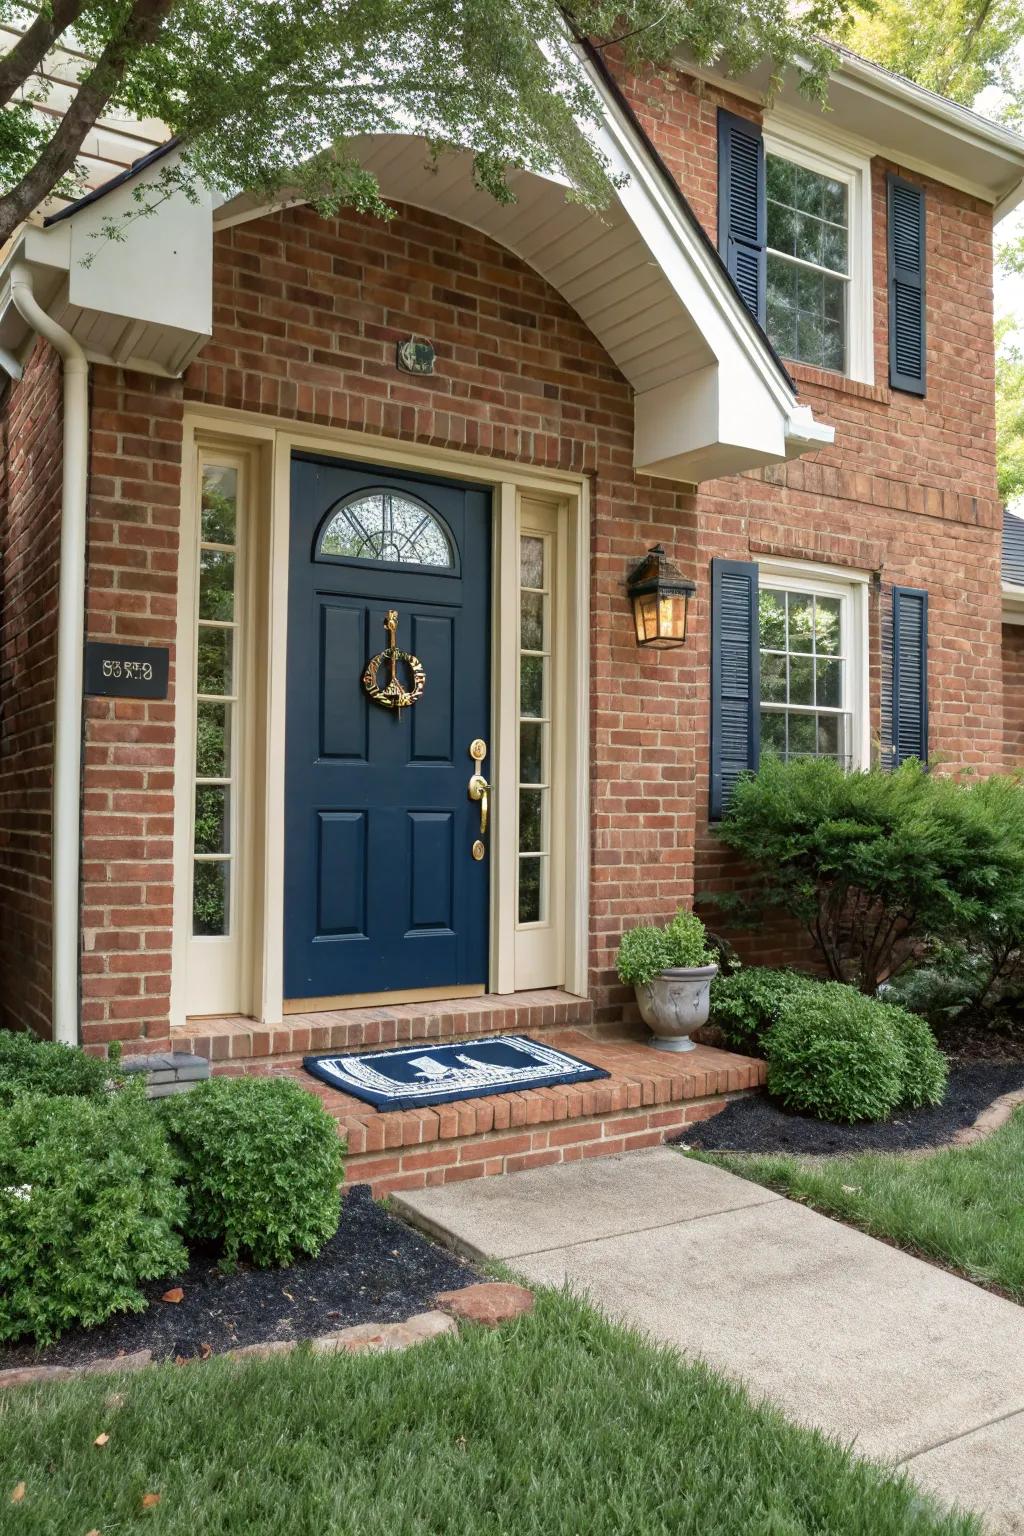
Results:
[670, 970]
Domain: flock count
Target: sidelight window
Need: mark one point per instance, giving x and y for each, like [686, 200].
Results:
[535, 689]
[218, 640]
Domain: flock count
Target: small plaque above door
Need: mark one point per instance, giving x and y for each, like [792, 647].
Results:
[126, 671]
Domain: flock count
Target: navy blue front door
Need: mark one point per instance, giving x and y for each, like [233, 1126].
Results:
[382, 892]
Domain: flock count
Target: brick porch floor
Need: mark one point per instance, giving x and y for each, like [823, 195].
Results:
[650, 1095]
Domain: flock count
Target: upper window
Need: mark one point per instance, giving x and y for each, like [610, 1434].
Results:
[813, 666]
[818, 258]
[385, 526]
[808, 264]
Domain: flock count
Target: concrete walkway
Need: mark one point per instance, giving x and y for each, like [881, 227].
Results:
[905, 1362]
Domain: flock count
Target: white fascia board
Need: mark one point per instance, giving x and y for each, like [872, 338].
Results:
[754, 409]
[884, 114]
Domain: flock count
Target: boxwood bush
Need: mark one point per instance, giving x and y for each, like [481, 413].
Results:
[842, 1056]
[29, 1065]
[262, 1167]
[747, 1004]
[88, 1209]
[834, 1053]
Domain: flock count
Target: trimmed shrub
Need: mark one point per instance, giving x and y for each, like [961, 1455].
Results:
[646, 951]
[925, 1069]
[28, 1065]
[835, 1053]
[262, 1166]
[874, 864]
[747, 1004]
[88, 1208]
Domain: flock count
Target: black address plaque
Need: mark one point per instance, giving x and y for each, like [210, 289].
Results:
[126, 671]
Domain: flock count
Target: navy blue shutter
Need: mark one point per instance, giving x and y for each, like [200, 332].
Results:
[907, 342]
[909, 674]
[735, 677]
[741, 208]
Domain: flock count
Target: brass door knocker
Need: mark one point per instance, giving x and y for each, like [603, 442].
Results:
[393, 695]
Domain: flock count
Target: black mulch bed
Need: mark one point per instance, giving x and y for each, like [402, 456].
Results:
[375, 1269]
[759, 1125]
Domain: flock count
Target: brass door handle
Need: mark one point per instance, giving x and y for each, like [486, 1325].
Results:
[479, 789]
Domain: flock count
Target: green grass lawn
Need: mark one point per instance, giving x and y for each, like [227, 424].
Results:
[558, 1425]
[963, 1207]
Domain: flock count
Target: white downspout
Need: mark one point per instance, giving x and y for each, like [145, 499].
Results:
[65, 861]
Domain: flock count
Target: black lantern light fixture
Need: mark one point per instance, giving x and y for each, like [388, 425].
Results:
[660, 595]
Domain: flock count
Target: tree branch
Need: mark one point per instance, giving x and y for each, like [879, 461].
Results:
[32, 47]
[92, 96]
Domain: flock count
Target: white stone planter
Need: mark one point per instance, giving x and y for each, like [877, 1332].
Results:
[676, 1003]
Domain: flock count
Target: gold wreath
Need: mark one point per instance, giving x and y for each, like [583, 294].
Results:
[393, 695]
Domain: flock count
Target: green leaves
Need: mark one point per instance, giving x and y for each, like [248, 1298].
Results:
[28, 1065]
[647, 951]
[842, 1056]
[262, 1167]
[747, 1004]
[877, 863]
[274, 98]
[88, 1207]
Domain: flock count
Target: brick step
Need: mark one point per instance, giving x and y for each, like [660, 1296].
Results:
[359, 1029]
[649, 1096]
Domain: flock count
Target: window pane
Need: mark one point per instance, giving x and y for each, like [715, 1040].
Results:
[773, 679]
[530, 823]
[830, 684]
[219, 505]
[213, 819]
[772, 617]
[530, 891]
[389, 527]
[782, 304]
[531, 760]
[803, 735]
[213, 740]
[210, 898]
[801, 622]
[216, 584]
[779, 178]
[531, 685]
[827, 638]
[828, 735]
[531, 562]
[215, 669]
[773, 731]
[801, 680]
[531, 622]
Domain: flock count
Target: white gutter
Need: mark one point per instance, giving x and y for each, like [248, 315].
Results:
[65, 863]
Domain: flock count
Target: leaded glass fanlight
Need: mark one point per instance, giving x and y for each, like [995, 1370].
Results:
[386, 526]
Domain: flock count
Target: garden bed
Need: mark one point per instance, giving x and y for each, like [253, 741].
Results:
[760, 1125]
[375, 1269]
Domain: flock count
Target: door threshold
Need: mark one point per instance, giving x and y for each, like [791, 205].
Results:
[380, 999]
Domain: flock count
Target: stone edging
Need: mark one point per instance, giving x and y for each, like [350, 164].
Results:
[490, 1303]
[991, 1119]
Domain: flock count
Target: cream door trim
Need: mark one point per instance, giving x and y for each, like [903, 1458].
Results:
[271, 441]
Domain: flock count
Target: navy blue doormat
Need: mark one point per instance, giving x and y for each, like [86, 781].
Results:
[420, 1075]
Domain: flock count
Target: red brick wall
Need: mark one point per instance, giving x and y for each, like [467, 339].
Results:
[907, 493]
[1013, 695]
[306, 316]
[128, 814]
[30, 441]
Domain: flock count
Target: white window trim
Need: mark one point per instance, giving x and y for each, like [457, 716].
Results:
[829, 156]
[852, 589]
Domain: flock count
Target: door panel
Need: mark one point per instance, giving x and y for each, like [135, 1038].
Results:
[381, 889]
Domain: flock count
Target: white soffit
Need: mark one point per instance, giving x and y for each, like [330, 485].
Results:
[710, 398]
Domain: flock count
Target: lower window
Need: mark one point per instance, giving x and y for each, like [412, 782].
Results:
[812, 641]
